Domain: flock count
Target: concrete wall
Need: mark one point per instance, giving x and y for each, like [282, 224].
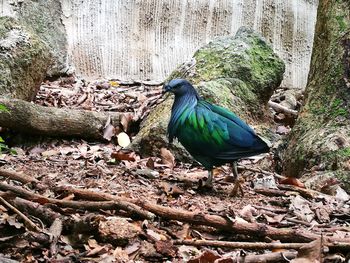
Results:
[147, 39]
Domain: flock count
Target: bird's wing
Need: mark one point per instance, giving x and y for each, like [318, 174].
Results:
[215, 132]
[229, 115]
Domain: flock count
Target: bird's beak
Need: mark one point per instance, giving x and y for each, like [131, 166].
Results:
[166, 88]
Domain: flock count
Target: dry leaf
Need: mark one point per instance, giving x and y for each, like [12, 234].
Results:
[154, 236]
[206, 257]
[121, 255]
[309, 253]
[292, 181]
[131, 249]
[167, 158]
[148, 173]
[301, 208]
[50, 153]
[150, 163]
[171, 189]
[123, 139]
[166, 248]
[282, 130]
[125, 120]
[123, 155]
[108, 129]
[114, 83]
[247, 213]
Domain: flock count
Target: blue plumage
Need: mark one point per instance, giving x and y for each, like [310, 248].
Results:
[212, 134]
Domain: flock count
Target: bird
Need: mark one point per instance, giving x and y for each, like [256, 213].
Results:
[212, 134]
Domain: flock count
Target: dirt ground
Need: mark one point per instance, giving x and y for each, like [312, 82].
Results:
[81, 230]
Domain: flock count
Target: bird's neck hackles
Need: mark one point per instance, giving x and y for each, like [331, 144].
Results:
[183, 104]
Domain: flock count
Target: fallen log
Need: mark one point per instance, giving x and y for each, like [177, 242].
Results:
[30, 118]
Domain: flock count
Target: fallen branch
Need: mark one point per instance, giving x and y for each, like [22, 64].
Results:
[27, 221]
[306, 193]
[239, 245]
[258, 170]
[239, 227]
[271, 209]
[55, 232]
[132, 209]
[44, 213]
[20, 177]
[273, 257]
[35, 119]
[270, 192]
[279, 108]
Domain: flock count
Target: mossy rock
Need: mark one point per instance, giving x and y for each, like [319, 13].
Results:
[24, 60]
[44, 17]
[237, 72]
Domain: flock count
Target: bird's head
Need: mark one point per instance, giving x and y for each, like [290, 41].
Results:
[179, 87]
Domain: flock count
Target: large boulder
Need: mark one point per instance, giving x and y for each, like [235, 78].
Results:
[238, 72]
[319, 144]
[24, 60]
[44, 17]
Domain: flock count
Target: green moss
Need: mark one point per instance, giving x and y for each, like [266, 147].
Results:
[344, 152]
[342, 23]
[6, 24]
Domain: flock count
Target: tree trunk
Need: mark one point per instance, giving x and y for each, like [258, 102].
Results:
[320, 140]
[31, 118]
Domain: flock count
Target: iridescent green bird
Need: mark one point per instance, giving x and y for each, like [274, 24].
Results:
[212, 134]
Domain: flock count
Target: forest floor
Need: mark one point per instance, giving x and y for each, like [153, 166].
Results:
[79, 201]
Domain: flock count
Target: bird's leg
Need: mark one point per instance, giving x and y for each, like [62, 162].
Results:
[234, 170]
[237, 186]
[208, 184]
[209, 181]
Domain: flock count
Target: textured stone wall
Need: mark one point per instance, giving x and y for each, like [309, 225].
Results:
[147, 39]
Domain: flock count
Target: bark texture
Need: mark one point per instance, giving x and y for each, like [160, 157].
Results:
[24, 60]
[320, 141]
[31, 118]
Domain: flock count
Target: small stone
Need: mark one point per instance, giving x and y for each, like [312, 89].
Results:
[117, 231]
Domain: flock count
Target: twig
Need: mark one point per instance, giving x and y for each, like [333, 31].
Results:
[27, 221]
[279, 108]
[270, 209]
[258, 170]
[256, 245]
[307, 193]
[273, 257]
[301, 222]
[239, 245]
[55, 231]
[270, 192]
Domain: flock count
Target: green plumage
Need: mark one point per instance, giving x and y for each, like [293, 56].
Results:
[212, 135]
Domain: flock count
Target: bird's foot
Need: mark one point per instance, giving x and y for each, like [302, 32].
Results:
[205, 185]
[237, 188]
